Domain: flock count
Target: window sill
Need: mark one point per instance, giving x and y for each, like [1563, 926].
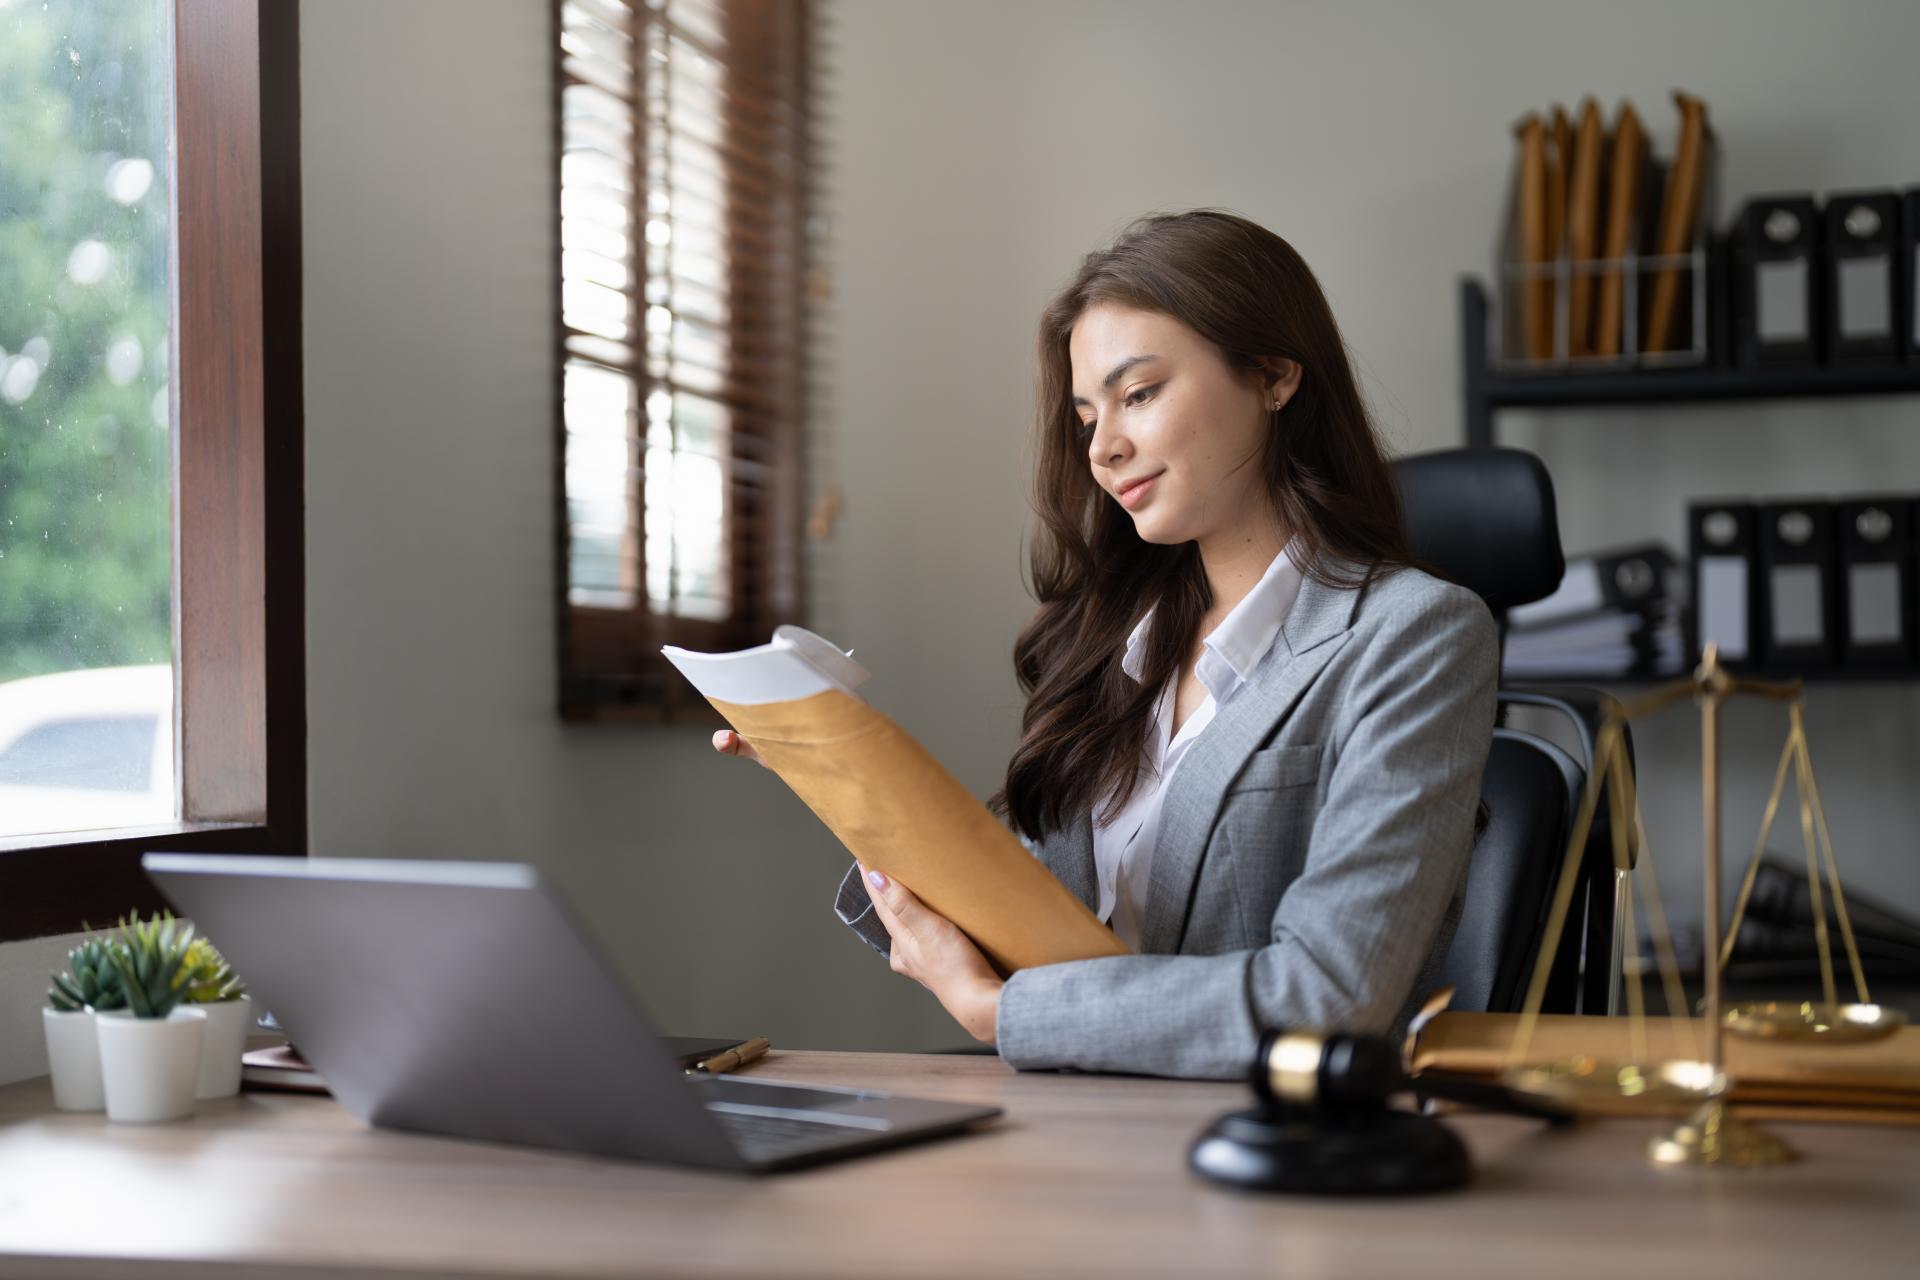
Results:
[63, 882]
[117, 835]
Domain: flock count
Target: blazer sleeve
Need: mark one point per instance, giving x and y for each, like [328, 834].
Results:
[1350, 936]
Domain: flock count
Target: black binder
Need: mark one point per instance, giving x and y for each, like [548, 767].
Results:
[1728, 594]
[1913, 580]
[1909, 320]
[1864, 282]
[1775, 281]
[1797, 554]
[1876, 581]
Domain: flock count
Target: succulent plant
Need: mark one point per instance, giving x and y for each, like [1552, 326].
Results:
[210, 979]
[91, 980]
[151, 959]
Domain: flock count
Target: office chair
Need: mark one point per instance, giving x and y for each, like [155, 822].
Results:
[1486, 519]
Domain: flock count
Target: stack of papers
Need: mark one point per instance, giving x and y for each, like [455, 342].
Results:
[1616, 614]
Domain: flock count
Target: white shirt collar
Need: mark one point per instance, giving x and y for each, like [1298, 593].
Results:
[1243, 637]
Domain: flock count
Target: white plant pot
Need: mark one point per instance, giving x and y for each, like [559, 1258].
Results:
[227, 1024]
[73, 1056]
[150, 1065]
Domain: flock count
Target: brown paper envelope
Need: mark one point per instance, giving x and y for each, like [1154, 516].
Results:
[1679, 207]
[1774, 1112]
[1623, 195]
[1834, 1100]
[1829, 1115]
[899, 810]
[1560, 168]
[1796, 1095]
[1537, 293]
[1559, 162]
[1583, 222]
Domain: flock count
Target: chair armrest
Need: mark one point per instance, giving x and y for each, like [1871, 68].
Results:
[1587, 709]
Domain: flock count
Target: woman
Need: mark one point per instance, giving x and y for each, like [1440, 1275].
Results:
[1254, 731]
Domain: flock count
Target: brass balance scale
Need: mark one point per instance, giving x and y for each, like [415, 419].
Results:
[1694, 1082]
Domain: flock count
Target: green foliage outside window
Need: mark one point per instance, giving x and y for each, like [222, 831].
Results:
[85, 555]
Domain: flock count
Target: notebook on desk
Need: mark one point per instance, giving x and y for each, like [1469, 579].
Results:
[280, 1067]
[462, 998]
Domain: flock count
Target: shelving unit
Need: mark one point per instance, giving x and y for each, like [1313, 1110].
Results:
[1488, 390]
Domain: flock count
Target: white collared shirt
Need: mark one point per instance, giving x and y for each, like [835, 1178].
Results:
[1123, 848]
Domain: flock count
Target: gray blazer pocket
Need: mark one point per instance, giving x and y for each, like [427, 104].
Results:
[1265, 824]
[1275, 767]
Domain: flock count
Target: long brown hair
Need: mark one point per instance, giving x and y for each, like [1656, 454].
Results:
[1244, 289]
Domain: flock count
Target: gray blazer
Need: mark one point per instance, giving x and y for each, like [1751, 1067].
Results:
[1312, 850]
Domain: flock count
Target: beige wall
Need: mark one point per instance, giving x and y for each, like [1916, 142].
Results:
[979, 150]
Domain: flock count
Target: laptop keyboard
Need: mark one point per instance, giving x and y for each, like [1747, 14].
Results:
[775, 1138]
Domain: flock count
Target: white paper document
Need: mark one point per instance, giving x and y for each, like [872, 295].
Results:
[795, 664]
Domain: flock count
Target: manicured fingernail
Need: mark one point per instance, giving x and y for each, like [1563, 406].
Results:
[877, 880]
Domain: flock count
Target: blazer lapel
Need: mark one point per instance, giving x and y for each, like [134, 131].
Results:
[1320, 613]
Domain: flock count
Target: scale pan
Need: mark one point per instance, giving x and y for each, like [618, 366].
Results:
[1598, 1084]
[1813, 1020]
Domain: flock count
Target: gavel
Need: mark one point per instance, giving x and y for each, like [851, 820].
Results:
[1324, 1125]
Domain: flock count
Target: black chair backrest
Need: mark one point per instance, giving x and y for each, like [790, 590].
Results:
[1486, 519]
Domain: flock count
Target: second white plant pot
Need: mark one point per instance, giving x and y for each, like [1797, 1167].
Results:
[149, 1066]
[73, 1058]
[227, 1024]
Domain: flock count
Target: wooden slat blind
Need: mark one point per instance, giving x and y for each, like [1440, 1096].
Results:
[686, 173]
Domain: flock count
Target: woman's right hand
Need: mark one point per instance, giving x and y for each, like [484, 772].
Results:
[729, 743]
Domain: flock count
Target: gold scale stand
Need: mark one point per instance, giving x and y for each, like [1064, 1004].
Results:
[1712, 1134]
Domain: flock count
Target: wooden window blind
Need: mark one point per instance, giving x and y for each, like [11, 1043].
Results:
[685, 171]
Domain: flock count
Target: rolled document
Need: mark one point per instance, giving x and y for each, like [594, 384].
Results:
[890, 802]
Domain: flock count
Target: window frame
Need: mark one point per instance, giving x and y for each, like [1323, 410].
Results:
[239, 591]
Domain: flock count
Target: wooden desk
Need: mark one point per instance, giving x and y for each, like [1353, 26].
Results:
[1084, 1175]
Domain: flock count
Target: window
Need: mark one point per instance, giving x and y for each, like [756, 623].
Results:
[687, 258]
[151, 659]
[85, 571]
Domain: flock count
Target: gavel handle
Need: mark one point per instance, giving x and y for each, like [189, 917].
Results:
[1490, 1097]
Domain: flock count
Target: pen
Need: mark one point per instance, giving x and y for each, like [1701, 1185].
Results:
[738, 1056]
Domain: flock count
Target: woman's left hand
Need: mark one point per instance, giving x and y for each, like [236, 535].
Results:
[931, 949]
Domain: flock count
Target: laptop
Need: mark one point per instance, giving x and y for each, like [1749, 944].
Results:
[464, 998]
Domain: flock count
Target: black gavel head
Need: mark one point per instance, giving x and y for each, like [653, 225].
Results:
[1311, 1071]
